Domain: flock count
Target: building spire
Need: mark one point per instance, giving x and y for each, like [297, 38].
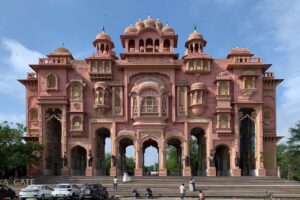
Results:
[195, 28]
[103, 29]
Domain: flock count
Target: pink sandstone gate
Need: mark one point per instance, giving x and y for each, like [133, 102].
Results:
[150, 96]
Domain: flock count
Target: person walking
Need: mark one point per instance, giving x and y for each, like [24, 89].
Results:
[192, 182]
[182, 191]
[201, 195]
[115, 182]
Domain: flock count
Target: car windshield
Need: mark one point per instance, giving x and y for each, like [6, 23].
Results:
[63, 186]
[33, 187]
[90, 186]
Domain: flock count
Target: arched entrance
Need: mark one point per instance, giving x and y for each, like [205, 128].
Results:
[53, 139]
[102, 158]
[222, 160]
[198, 152]
[126, 163]
[151, 161]
[78, 161]
[174, 157]
[247, 141]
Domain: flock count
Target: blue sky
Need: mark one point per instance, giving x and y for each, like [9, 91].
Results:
[30, 29]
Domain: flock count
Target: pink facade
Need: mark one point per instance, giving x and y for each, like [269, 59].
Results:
[151, 97]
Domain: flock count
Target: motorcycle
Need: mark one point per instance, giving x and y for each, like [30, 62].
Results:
[148, 193]
[136, 194]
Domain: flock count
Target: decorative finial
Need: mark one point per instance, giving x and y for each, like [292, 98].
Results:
[149, 16]
[103, 29]
[63, 45]
[195, 28]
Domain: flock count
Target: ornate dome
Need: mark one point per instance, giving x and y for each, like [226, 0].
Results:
[139, 24]
[168, 29]
[195, 36]
[103, 36]
[149, 22]
[130, 29]
[158, 24]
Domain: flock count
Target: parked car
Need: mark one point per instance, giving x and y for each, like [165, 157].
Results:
[6, 192]
[69, 191]
[93, 191]
[35, 191]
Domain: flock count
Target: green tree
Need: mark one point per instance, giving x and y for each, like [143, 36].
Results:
[194, 158]
[288, 155]
[15, 152]
[172, 164]
[130, 165]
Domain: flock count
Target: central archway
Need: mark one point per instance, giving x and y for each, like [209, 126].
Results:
[153, 166]
[222, 160]
[79, 161]
[174, 157]
[198, 152]
[102, 159]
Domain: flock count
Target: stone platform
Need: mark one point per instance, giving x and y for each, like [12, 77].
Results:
[213, 187]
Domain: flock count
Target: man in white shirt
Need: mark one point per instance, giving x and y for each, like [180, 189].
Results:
[182, 191]
[115, 182]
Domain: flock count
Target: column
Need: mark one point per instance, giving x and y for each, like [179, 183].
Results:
[114, 153]
[138, 159]
[261, 171]
[186, 152]
[162, 167]
[235, 153]
[65, 171]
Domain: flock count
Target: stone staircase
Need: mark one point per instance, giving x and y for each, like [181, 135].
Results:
[213, 187]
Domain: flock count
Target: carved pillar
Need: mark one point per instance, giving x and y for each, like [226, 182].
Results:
[235, 153]
[66, 168]
[162, 167]
[114, 153]
[138, 158]
[186, 152]
[260, 149]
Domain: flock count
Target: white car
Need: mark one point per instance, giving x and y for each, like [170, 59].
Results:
[35, 191]
[70, 191]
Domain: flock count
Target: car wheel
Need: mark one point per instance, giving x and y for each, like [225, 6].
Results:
[42, 197]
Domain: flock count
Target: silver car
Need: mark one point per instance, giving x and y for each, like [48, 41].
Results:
[35, 191]
[66, 191]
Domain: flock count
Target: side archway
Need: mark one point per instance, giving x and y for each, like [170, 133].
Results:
[222, 160]
[78, 161]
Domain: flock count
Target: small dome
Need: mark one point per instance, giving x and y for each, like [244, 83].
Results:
[103, 36]
[158, 24]
[61, 51]
[237, 51]
[130, 29]
[139, 24]
[149, 22]
[195, 36]
[168, 29]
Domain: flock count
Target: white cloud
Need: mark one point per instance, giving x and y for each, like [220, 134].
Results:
[282, 19]
[19, 55]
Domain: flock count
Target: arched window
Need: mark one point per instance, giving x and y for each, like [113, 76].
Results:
[33, 115]
[224, 121]
[141, 45]
[102, 48]
[167, 45]
[249, 82]
[156, 45]
[131, 46]
[76, 123]
[149, 106]
[223, 88]
[76, 91]
[149, 45]
[51, 81]
[196, 48]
